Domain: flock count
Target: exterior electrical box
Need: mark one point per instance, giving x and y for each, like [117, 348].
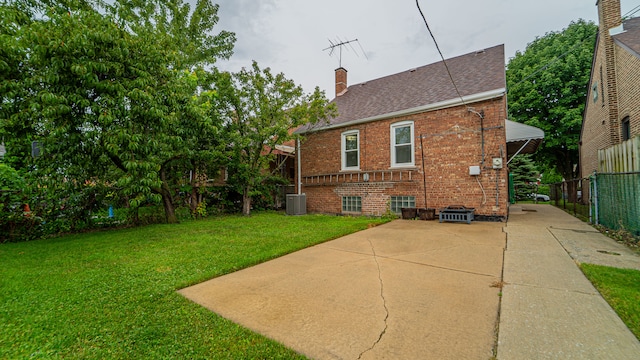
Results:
[497, 163]
[296, 204]
[474, 170]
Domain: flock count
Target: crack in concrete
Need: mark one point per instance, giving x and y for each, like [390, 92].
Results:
[580, 231]
[594, 293]
[394, 258]
[384, 303]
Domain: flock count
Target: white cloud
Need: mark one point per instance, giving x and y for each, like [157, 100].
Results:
[288, 35]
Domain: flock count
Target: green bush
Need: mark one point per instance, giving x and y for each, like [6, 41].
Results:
[15, 222]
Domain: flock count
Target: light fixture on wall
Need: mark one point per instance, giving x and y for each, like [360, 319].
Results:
[365, 177]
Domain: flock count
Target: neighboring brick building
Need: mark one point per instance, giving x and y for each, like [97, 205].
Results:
[396, 134]
[612, 112]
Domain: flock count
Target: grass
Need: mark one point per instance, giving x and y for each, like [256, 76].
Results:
[620, 288]
[112, 294]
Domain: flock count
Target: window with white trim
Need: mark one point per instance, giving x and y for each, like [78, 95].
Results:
[402, 144]
[351, 150]
[399, 202]
[352, 204]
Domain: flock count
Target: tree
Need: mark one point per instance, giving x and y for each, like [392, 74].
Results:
[547, 88]
[119, 87]
[261, 111]
[524, 174]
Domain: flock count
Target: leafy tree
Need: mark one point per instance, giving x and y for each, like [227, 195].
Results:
[525, 175]
[119, 87]
[261, 111]
[551, 177]
[547, 87]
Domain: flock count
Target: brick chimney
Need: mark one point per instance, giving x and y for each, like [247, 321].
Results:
[341, 81]
[609, 17]
[609, 14]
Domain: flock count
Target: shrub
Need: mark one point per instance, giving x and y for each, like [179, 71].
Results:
[16, 223]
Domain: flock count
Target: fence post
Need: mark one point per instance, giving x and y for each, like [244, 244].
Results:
[575, 196]
[564, 200]
[595, 196]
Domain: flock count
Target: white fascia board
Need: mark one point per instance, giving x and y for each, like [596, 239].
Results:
[487, 95]
[285, 148]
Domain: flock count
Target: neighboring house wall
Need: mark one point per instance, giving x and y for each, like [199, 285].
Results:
[612, 110]
[452, 142]
[598, 127]
[628, 65]
[596, 123]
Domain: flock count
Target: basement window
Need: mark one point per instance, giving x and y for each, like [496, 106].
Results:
[399, 202]
[352, 204]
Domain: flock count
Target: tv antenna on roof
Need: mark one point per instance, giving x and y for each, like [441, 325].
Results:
[340, 44]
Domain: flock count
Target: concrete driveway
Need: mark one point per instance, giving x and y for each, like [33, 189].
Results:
[403, 290]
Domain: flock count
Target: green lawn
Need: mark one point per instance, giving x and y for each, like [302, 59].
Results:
[113, 294]
[621, 289]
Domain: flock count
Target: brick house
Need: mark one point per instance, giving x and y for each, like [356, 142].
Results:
[413, 140]
[612, 111]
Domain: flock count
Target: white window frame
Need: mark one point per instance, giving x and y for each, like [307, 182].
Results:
[392, 143]
[343, 150]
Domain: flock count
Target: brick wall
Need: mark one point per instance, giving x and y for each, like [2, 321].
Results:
[601, 128]
[595, 129]
[628, 71]
[452, 142]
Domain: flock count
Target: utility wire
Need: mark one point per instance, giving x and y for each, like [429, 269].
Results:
[440, 52]
[631, 12]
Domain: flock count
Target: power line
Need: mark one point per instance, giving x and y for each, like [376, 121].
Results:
[631, 12]
[440, 52]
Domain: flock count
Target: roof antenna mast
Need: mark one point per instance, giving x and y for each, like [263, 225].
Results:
[340, 44]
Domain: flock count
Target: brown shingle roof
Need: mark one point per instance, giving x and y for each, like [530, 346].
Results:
[474, 73]
[630, 38]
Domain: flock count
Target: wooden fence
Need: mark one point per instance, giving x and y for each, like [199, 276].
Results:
[621, 158]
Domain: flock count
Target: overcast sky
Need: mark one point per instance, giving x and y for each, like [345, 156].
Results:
[289, 35]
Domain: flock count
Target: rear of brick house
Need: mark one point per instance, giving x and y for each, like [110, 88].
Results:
[413, 140]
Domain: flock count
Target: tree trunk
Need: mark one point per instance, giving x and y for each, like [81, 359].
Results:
[169, 210]
[167, 200]
[246, 202]
[194, 202]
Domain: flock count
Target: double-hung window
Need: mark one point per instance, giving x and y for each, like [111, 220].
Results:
[402, 144]
[351, 150]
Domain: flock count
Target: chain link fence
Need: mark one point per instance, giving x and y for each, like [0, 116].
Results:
[610, 199]
[615, 201]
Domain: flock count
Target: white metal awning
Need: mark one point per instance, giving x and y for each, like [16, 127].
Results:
[522, 139]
